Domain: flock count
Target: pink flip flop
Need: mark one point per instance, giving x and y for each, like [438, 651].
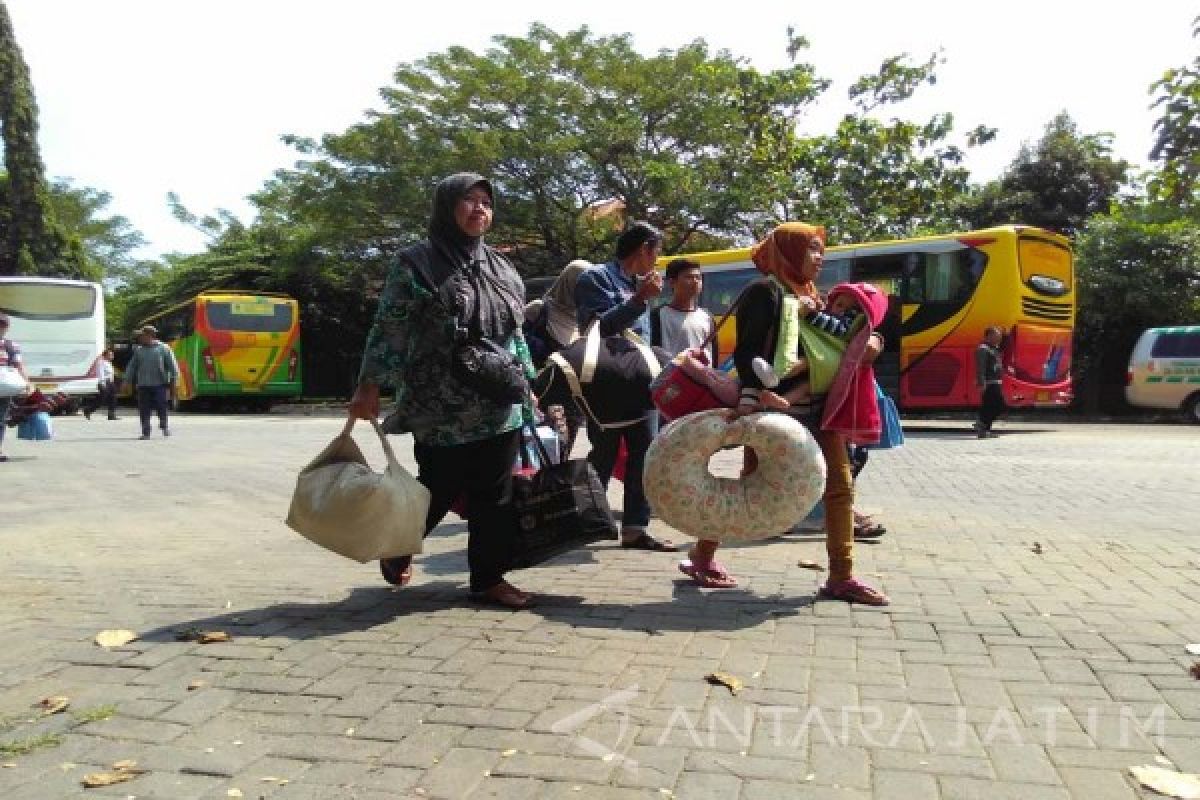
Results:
[708, 576]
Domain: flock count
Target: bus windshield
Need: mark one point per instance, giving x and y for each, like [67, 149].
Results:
[1045, 266]
[249, 316]
[47, 301]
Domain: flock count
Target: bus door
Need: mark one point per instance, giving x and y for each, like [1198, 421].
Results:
[937, 357]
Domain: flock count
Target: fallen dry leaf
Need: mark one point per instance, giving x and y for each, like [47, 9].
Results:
[806, 564]
[1180, 785]
[732, 682]
[508, 753]
[95, 780]
[115, 638]
[1193, 649]
[1037, 548]
[194, 685]
[9, 765]
[234, 793]
[128, 765]
[203, 637]
[1195, 670]
[54, 705]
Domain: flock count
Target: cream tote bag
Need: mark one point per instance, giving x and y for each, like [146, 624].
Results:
[343, 505]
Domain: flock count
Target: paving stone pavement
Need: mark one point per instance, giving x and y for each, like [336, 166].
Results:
[997, 671]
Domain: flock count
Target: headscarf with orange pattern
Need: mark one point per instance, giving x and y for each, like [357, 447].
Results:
[782, 254]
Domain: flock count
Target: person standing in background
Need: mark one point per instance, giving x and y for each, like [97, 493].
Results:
[987, 378]
[10, 356]
[152, 373]
[682, 324]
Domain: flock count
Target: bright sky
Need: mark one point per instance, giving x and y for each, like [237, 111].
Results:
[143, 97]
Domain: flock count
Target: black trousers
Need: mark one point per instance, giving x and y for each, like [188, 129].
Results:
[153, 400]
[992, 406]
[483, 471]
[106, 397]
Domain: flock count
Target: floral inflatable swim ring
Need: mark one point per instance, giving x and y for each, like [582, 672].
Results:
[788, 482]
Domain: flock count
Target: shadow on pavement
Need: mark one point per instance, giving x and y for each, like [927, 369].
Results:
[364, 608]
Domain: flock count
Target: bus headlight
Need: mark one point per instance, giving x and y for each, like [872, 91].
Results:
[1047, 285]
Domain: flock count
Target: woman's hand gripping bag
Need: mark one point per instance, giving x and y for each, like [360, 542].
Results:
[343, 505]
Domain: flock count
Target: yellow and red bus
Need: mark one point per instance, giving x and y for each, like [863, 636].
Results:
[234, 345]
[944, 291]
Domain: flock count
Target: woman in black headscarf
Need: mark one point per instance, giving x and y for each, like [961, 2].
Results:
[447, 337]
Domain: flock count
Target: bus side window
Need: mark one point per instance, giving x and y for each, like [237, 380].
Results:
[833, 272]
[912, 289]
[722, 288]
[951, 277]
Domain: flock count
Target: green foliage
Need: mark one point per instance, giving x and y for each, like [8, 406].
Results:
[108, 241]
[1177, 136]
[1134, 270]
[1057, 184]
[32, 242]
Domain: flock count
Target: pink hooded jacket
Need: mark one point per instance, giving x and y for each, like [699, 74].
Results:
[851, 407]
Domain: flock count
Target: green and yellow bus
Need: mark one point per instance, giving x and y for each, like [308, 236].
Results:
[234, 346]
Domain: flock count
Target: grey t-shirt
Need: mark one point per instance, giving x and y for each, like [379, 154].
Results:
[682, 330]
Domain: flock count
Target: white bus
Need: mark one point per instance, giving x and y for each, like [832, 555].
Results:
[59, 326]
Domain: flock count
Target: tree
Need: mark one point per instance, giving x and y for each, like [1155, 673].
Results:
[1056, 184]
[1177, 136]
[876, 179]
[1134, 271]
[32, 243]
[698, 142]
[109, 241]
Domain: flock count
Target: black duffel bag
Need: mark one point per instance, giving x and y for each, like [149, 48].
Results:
[608, 377]
[561, 507]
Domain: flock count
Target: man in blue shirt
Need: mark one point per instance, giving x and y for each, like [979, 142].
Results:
[616, 296]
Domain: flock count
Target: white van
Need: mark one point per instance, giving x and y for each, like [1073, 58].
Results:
[1164, 370]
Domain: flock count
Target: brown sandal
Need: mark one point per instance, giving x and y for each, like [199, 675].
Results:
[504, 595]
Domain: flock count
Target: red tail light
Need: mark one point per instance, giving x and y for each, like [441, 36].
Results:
[210, 366]
[293, 363]
[1129, 377]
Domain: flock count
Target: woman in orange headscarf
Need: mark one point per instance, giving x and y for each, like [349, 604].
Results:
[790, 258]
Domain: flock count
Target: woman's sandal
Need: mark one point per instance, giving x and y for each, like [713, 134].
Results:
[712, 575]
[504, 595]
[396, 571]
[867, 528]
[647, 542]
[852, 590]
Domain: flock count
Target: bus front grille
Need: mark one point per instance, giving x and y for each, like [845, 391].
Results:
[1041, 309]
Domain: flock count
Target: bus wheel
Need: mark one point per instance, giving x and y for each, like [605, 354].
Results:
[1191, 408]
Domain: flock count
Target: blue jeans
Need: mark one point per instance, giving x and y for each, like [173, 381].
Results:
[606, 444]
[151, 400]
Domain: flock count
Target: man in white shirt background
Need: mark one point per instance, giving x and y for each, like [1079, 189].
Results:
[682, 324]
[106, 388]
